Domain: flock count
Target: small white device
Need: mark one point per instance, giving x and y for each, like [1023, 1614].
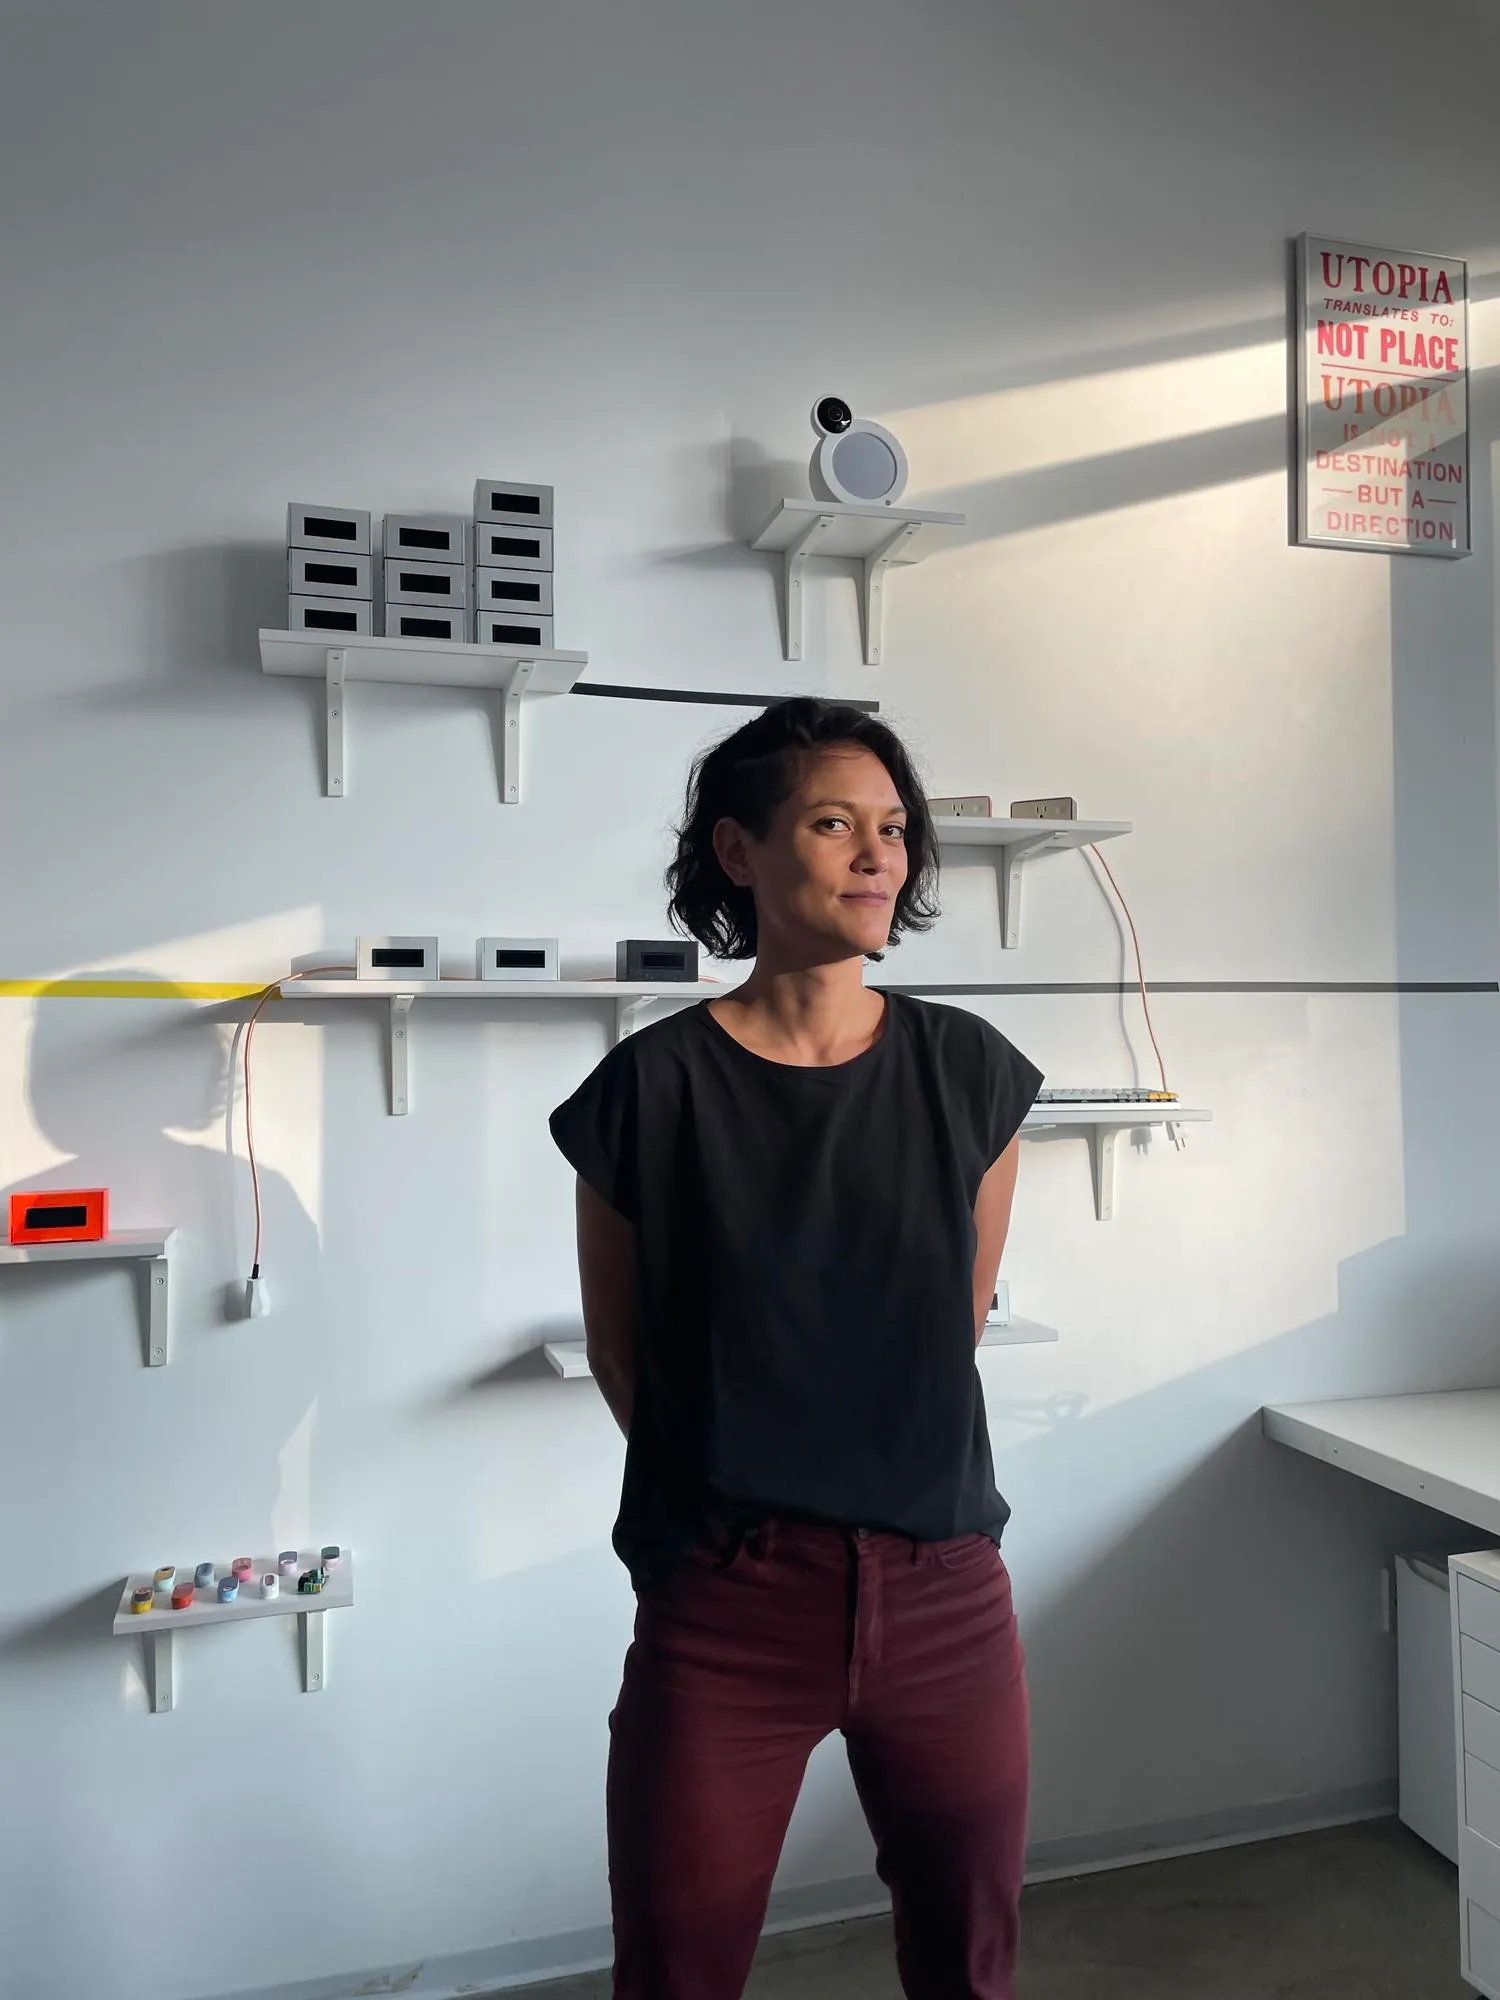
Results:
[401, 958]
[346, 529]
[999, 1312]
[513, 500]
[513, 629]
[962, 805]
[320, 573]
[856, 460]
[526, 590]
[415, 582]
[350, 615]
[1060, 807]
[439, 538]
[516, 958]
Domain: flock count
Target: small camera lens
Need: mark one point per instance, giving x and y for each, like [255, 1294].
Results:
[833, 414]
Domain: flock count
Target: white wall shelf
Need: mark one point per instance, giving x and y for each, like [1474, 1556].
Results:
[151, 1247]
[570, 1357]
[874, 536]
[516, 677]
[1103, 1124]
[1014, 842]
[160, 1625]
[630, 999]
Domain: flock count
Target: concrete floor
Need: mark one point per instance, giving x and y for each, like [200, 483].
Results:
[1358, 1913]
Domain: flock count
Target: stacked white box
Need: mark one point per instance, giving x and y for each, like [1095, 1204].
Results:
[512, 542]
[330, 570]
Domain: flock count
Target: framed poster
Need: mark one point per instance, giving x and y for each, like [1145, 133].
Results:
[1382, 399]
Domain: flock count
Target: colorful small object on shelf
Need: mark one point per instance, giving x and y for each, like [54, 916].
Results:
[287, 1562]
[60, 1215]
[330, 1555]
[142, 1597]
[203, 1576]
[241, 1567]
[270, 1584]
[182, 1596]
[229, 1589]
[165, 1577]
[310, 1583]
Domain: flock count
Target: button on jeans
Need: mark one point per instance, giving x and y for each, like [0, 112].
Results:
[744, 1659]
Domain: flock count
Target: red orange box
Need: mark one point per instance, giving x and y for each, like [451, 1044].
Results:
[60, 1215]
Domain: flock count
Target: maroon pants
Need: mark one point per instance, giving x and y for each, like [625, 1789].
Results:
[746, 1658]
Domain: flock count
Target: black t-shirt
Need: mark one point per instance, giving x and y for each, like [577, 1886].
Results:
[804, 1251]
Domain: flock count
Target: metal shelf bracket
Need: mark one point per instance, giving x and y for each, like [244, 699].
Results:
[400, 1054]
[334, 785]
[314, 1651]
[510, 733]
[158, 1299]
[793, 564]
[875, 566]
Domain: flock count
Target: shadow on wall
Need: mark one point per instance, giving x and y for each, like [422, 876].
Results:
[1126, 1675]
[116, 1087]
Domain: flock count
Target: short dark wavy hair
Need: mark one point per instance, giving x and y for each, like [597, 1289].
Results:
[745, 778]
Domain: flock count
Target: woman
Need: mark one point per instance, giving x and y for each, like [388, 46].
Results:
[792, 1202]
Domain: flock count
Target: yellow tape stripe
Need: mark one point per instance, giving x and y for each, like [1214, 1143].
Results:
[126, 989]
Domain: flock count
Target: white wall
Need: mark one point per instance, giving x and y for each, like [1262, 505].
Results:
[363, 252]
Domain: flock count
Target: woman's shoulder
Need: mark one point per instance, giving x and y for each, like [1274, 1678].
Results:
[955, 1035]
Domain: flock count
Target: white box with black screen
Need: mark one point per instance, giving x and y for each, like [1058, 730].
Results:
[513, 500]
[439, 538]
[318, 573]
[505, 545]
[427, 621]
[411, 582]
[344, 529]
[513, 629]
[514, 590]
[404, 958]
[333, 615]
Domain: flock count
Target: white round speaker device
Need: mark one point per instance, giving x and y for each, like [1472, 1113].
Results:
[855, 460]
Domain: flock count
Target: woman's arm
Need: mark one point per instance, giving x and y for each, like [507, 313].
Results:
[991, 1222]
[606, 1278]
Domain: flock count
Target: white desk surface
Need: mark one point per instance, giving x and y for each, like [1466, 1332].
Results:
[1443, 1449]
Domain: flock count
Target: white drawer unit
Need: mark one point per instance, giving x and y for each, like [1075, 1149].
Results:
[1482, 1949]
[329, 614]
[438, 538]
[1481, 1731]
[425, 582]
[320, 573]
[1478, 1670]
[528, 590]
[505, 545]
[1476, 1675]
[1482, 1798]
[1479, 1610]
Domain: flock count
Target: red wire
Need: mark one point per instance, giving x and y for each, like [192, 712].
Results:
[267, 993]
[1139, 970]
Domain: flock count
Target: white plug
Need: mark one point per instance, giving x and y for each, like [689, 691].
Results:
[257, 1298]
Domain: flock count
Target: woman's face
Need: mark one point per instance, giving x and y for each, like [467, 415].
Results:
[826, 876]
